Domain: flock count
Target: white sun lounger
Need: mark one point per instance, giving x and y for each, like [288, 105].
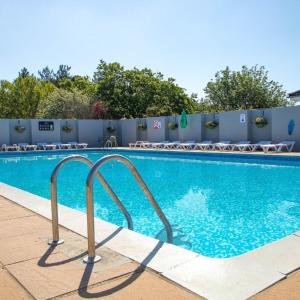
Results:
[137, 144]
[31, 147]
[159, 144]
[73, 144]
[81, 145]
[241, 146]
[146, 145]
[204, 145]
[23, 146]
[76, 145]
[284, 145]
[57, 145]
[41, 146]
[172, 145]
[187, 145]
[259, 145]
[221, 145]
[13, 147]
[65, 146]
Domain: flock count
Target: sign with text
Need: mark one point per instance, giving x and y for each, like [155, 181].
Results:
[46, 126]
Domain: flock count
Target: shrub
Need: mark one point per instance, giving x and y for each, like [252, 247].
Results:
[211, 124]
[260, 122]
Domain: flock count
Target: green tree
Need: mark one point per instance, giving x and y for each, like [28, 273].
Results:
[21, 98]
[63, 72]
[24, 72]
[246, 89]
[63, 104]
[47, 75]
[139, 93]
[81, 83]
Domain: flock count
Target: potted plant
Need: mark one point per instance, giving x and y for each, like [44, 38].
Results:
[211, 124]
[111, 128]
[261, 122]
[20, 128]
[172, 125]
[142, 126]
[67, 128]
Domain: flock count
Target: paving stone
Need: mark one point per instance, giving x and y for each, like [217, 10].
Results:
[286, 289]
[22, 226]
[137, 286]
[23, 247]
[59, 278]
[8, 210]
[10, 289]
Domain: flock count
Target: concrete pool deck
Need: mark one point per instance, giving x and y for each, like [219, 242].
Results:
[239, 277]
[235, 278]
[30, 269]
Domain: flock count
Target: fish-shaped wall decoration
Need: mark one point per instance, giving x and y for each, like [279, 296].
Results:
[291, 126]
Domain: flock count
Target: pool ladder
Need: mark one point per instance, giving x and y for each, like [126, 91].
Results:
[94, 171]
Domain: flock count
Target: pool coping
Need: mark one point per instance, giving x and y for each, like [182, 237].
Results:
[238, 277]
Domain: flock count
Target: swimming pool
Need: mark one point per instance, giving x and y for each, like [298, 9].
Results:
[218, 205]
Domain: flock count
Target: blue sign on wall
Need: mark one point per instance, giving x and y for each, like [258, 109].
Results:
[46, 126]
[291, 126]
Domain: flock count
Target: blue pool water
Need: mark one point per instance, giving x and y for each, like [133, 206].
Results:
[219, 206]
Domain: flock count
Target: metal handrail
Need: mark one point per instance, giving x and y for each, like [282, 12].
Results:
[90, 202]
[54, 210]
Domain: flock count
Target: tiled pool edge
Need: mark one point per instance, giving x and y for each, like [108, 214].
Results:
[235, 278]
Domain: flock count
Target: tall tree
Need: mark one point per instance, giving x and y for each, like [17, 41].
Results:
[47, 75]
[21, 98]
[246, 89]
[63, 72]
[24, 72]
[62, 104]
[137, 93]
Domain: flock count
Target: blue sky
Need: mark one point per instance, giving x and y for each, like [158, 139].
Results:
[188, 40]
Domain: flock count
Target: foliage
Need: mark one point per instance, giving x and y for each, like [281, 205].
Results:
[261, 122]
[98, 110]
[63, 104]
[111, 128]
[131, 93]
[142, 126]
[63, 72]
[21, 98]
[139, 93]
[67, 128]
[211, 124]
[246, 89]
[47, 75]
[20, 128]
[24, 72]
[172, 125]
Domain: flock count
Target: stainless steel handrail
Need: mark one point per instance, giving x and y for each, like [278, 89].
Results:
[54, 210]
[90, 202]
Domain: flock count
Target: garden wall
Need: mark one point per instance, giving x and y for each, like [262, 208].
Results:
[283, 123]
